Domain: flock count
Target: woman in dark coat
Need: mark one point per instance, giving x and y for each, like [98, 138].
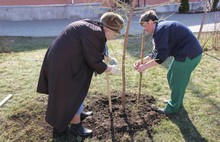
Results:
[68, 66]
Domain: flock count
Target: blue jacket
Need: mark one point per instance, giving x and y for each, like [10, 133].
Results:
[172, 38]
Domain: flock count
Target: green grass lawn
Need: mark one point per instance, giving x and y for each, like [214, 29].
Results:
[22, 117]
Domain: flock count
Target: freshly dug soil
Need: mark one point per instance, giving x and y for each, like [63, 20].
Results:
[135, 123]
[122, 125]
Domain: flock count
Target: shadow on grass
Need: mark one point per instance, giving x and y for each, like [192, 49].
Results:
[131, 131]
[205, 97]
[112, 127]
[218, 59]
[187, 128]
[148, 130]
[131, 128]
[25, 44]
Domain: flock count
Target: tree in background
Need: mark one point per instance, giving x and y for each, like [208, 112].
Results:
[214, 6]
[184, 6]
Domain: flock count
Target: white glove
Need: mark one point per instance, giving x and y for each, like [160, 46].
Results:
[115, 70]
[112, 61]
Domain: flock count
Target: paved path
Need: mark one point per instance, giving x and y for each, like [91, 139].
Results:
[54, 27]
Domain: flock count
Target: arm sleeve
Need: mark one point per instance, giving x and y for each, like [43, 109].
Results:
[92, 52]
[161, 46]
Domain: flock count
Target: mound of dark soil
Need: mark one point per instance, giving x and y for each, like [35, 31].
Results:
[120, 124]
[107, 127]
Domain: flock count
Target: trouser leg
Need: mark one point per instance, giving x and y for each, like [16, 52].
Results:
[81, 108]
[178, 77]
[76, 127]
[169, 73]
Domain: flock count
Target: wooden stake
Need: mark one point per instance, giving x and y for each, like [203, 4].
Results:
[6, 99]
[142, 57]
[108, 89]
[203, 21]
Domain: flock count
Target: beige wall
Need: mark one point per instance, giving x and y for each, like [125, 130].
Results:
[34, 2]
[104, 2]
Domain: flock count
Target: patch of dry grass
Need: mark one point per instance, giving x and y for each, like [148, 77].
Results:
[22, 117]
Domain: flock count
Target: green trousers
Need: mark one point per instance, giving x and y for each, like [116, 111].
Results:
[178, 78]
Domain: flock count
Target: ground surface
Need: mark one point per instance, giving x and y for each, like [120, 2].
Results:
[122, 125]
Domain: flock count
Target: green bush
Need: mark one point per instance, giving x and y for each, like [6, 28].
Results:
[214, 6]
[184, 6]
[4, 45]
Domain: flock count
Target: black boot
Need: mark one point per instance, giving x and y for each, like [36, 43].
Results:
[78, 129]
[59, 136]
[84, 115]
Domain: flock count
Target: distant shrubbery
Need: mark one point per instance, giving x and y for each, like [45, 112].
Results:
[184, 6]
[214, 6]
[3, 45]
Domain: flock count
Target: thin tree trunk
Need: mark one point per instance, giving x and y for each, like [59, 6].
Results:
[124, 54]
[203, 21]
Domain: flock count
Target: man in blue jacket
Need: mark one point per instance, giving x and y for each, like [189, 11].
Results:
[171, 38]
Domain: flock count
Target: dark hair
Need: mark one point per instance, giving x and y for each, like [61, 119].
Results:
[148, 15]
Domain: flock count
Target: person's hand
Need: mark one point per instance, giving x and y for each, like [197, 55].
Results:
[137, 64]
[141, 68]
[115, 70]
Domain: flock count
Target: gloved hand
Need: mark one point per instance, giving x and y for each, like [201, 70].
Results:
[112, 61]
[115, 70]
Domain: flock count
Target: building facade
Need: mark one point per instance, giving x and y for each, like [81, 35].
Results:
[105, 3]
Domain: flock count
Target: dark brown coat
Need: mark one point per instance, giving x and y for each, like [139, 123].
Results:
[68, 67]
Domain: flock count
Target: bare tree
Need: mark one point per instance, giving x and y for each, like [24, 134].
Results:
[124, 53]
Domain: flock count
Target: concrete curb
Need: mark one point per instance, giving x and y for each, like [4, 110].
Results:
[50, 12]
[195, 7]
[70, 11]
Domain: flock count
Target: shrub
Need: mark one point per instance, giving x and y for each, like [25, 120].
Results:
[214, 6]
[4, 45]
[184, 6]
